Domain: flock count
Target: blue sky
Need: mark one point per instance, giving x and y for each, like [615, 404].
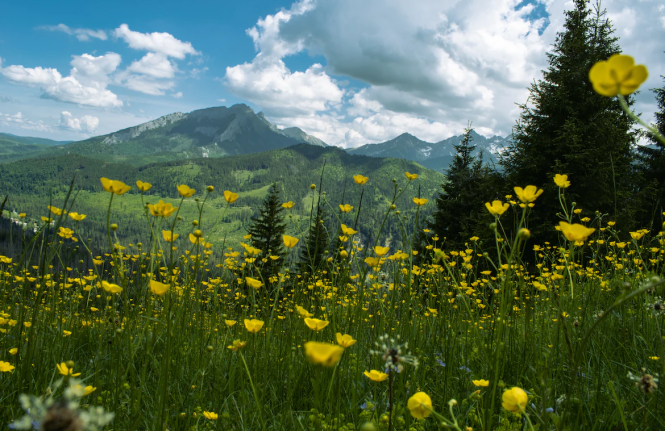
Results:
[347, 72]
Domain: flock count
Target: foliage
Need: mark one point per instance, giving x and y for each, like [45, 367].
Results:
[266, 230]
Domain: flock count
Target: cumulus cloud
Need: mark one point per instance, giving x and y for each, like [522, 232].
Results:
[86, 84]
[18, 120]
[85, 124]
[143, 83]
[82, 34]
[154, 65]
[162, 43]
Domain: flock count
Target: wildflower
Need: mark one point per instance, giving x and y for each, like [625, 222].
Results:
[514, 400]
[481, 383]
[88, 390]
[65, 232]
[288, 205]
[323, 353]
[303, 312]
[76, 216]
[252, 282]
[497, 208]
[528, 194]
[375, 376]
[617, 75]
[237, 345]
[410, 176]
[158, 288]
[6, 367]
[420, 405]
[210, 189]
[380, 251]
[66, 370]
[345, 208]
[394, 353]
[55, 210]
[115, 187]
[144, 187]
[13, 351]
[290, 241]
[372, 261]
[253, 325]
[110, 287]
[345, 340]
[359, 179]
[575, 231]
[196, 239]
[185, 191]
[66, 333]
[230, 322]
[161, 209]
[639, 234]
[647, 384]
[419, 201]
[348, 230]
[210, 415]
[561, 181]
[230, 197]
[316, 324]
[22, 215]
[169, 236]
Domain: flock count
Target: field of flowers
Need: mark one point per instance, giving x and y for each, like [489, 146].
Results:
[496, 336]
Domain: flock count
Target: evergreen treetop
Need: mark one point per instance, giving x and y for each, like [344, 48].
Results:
[266, 230]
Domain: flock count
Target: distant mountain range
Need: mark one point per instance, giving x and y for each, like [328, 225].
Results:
[220, 132]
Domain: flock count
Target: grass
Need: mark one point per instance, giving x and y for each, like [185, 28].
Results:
[577, 326]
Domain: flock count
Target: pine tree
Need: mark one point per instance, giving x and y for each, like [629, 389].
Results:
[459, 204]
[314, 253]
[653, 166]
[567, 128]
[267, 229]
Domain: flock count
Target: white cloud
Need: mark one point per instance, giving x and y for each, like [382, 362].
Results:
[19, 121]
[177, 95]
[143, 83]
[162, 43]
[221, 100]
[195, 73]
[85, 124]
[154, 65]
[86, 84]
[82, 34]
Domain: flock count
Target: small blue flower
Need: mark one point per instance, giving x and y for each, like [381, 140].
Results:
[549, 410]
[465, 368]
[440, 362]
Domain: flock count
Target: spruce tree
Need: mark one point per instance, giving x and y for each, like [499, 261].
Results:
[267, 229]
[567, 128]
[314, 253]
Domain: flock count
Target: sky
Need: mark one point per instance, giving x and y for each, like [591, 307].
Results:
[346, 71]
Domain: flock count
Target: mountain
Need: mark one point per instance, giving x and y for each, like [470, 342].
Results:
[210, 132]
[14, 147]
[435, 156]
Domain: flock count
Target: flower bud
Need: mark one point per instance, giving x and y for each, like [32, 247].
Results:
[210, 189]
[493, 226]
[139, 244]
[70, 364]
[114, 226]
[197, 233]
[393, 206]
[313, 187]
[195, 222]
[524, 234]
[397, 212]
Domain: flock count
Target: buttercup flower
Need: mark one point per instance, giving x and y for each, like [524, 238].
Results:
[303, 312]
[561, 181]
[230, 322]
[237, 345]
[230, 197]
[253, 282]
[481, 383]
[185, 191]
[375, 376]
[6, 367]
[345, 340]
[144, 187]
[420, 405]
[316, 324]
[514, 400]
[290, 241]
[253, 325]
[210, 415]
[65, 370]
[115, 187]
[345, 208]
[411, 176]
[161, 209]
[110, 287]
[348, 230]
[288, 205]
[575, 231]
[158, 288]
[359, 179]
[419, 201]
[76, 216]
[528, 194]
[169, 236]
[380, 251]
[497, 207]
[323, 353]
[617, 75]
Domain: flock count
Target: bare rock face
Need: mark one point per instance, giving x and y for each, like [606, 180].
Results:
[133, 132]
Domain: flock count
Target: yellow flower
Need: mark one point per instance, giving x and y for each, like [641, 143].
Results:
[6, 367]
[411, 176]
[158, 288]
[230, 197]
[230, 322]
[169, 236]
[65, 232]
[497, 208]
[380, 251]
[22, 215]
[161, 209]
[372, 261]
[66, 371]
[348, 230]
[323, 353]
[185, 191]
[237, 345]
[66, 333]
[55, 210]
[420, 405]
[77, 216]
[316, 324]
[144, 187]
[561, 181]
[303, 312]
[27, 324]
[345, 340]
[514, 400]
[88, 390]
[617, 75]
[419, 201]
[210, 415]
[252, 282]
[13, 351]
[481, 383]
[528, 194]
[196, 239]
[288, 205]
[110, 287]
[359, 179]
[115, 187]
[253, 325]
[639, 234]
[575, 231]
[345, 208]
[375, 376]
[290, 241]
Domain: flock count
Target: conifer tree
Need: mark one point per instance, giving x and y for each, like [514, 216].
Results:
[267, 229]
[314, 253]
[567, 128]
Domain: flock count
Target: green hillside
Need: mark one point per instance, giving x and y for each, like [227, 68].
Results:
[32, 183]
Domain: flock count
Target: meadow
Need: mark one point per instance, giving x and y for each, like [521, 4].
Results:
[495, 336]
